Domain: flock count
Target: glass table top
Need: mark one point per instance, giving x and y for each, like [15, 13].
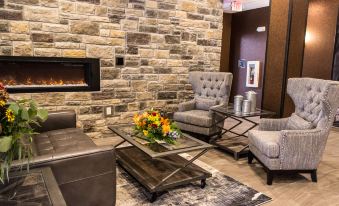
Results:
[185, 143]
[229, 110]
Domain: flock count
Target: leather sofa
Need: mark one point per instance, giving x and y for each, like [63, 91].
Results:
[84, 172]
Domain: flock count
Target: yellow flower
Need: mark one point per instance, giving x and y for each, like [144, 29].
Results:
[145, 132]
[165, 129]
[2, 103]
[145, 115]
[153, 118]
[10, 115]
[164, 121]
[157, 122]
[136, 118]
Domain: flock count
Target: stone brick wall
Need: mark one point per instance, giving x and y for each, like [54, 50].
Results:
[161, 41]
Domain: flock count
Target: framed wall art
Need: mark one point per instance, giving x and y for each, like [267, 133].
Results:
[253, 72]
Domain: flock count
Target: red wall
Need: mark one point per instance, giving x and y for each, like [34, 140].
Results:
[248, 44]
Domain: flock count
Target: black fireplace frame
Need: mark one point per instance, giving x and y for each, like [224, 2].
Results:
[92, 74]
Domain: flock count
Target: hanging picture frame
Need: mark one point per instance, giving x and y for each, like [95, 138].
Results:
[252, 75]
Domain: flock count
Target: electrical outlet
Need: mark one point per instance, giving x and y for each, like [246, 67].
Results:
[108, 111]
[119, 61]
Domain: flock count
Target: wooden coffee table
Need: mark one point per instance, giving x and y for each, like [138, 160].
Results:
[159, 167]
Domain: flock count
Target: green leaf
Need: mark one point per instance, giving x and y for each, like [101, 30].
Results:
[14, 107]
[24, 114]
[33, 105]
[32, 113]
[35, 122]
[42, 114]
[5, 143]
[21, 101]
[20, 153]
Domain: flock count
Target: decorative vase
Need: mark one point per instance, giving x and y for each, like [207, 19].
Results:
[252, 96]
[246, 107]
[238, 103]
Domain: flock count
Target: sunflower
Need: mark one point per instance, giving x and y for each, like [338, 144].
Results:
[10, 115]
[2, 103]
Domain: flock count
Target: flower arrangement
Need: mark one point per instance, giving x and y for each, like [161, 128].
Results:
[16, 120]
[154, 127]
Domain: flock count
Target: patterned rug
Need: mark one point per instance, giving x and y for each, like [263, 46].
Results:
[220, 190]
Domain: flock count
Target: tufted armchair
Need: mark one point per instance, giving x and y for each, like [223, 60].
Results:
[296, 144]
[211, 89]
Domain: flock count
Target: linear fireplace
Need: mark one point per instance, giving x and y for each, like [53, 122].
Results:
[46, 74]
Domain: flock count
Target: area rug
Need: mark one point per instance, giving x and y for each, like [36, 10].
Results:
[220, 190]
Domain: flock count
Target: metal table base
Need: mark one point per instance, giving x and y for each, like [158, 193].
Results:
[240, 140]
[236, 140]
[159, 174]
[159, 167]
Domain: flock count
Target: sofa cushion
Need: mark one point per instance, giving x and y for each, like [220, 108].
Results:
[266, 141]
[204, 103]
[297, 123]
[62, 140]
[196, 117]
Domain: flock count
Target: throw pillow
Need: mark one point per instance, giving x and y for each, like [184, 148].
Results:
[204, 103]
[297, 123]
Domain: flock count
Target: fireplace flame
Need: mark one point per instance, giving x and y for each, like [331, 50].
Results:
[51, 81]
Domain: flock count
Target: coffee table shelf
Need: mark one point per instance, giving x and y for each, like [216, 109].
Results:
[151, 172]
[158, 167]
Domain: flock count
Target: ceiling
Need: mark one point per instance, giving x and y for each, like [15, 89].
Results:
[247, 4]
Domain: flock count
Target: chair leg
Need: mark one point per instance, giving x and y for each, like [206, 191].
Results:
[269, 177]
[250, 157]
[314, 176]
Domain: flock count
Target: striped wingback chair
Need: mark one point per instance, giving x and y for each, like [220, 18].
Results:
[211, 89]
[296, 144]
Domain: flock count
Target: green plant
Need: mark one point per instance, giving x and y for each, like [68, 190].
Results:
[16, 131]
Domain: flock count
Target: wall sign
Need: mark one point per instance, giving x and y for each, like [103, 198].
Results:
[253, 72]
[242, 64]
[236, 6]
[261, 29]
[233, 6]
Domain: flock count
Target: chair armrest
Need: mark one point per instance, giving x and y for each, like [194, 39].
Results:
[301, 149]
[267, 124]
[215, 106]
[47, 159]
[58, 120]
[186, 106]
[77, 171]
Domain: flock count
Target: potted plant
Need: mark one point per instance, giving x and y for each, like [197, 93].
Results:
[156, 128]
[16, 132]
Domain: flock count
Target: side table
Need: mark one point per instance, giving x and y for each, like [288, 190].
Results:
[238, 144]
